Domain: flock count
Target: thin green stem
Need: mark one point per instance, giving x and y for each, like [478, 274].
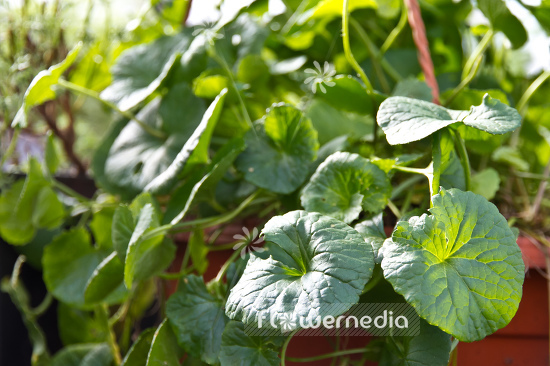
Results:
[394, 209]
[11, 147]
[478, 52]
[43, 306]
[178, 275]
[374, 53]
[223, 64]
[395, 32]
[103, 315]
[410, 170]
[346, 352]
[92, 94]
[294, 17]
[522, 104]
[285, 346]
[464, 83]
[464, 160]
[231, 259]
[69, 191]
[347, 48]
[436, 166]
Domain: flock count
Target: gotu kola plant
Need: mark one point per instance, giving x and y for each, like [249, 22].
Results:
[232, 154]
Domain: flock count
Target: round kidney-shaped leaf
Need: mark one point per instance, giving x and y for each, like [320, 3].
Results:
[404, 120]
[460, 267]
[317, 266]
[344, 185]
[279, 150]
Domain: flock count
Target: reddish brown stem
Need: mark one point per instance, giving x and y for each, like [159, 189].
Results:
[67, 136]
[421, 42]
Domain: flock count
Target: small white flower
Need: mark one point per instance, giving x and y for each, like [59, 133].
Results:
[321, 76]
[287, 323]
[247, 241]
[208, 31]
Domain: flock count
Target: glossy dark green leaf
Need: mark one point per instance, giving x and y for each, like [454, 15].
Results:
[198, 319]
[101, 224]
[464, 270]
[137, 355]
[279, 150]
[348, 95]
[430, 348]
[85, 354]
[331, 122]
[203, 180]
[78, 326]
[122, 229]
[240, 349]
[503, 20]
[106, 278]
[69, 261]
[404, 120]
[141, 70]
[344, 185]
[194, 151]
[315, 266]
[136, 158]
[164, 347]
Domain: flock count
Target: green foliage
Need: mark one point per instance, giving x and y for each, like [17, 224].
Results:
[220, 127]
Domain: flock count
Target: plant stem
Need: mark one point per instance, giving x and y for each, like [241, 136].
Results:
[394, 209]
[92, 94]
[69, 191]
[410, 170]
[464, 160]
[285, 346]
[436, 157]
[375, 56]
[464, 83]
[43, 306]
[395, 32]
[328, 355]
[347, 49]
[478, 52]
[11, 147]
[540, 192]
[522, 104]
[178, 275]
[228, 262]
[103, 314]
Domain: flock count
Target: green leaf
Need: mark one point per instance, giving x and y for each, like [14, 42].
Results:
[347, 95]
[164, 347]
[372, 230]
[171, 10]
[333, 8]
[464, 271]
[50, 154]
[344, 185]
[122, 229]
[404, 120]
[413, 88]
[240, 349]
[279, 150]
[69, 261]
[139, 71]
[101, 224]
[209, 86]
[194, 151]
[431, 347]
[542, 13]
[197, 318]
[331, 122]
[503, 20]
[317, 266]
[183, 197]
[486, 183]
[40, 90]
[511, 156]
[87, 354]
[29, 205]
[146, 257]
[78, 326]
[106, 278]
[198, 250]
[136, 158]
[137, 355]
